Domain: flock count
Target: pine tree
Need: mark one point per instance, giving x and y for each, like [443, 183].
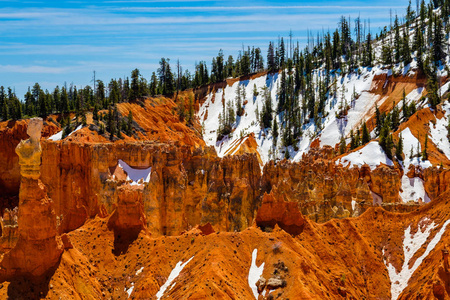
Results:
[418, 46]
[432, 87]
[389, 145]
[111, 125]
[3, 104]
[270, 59]
[266, 112]
[397, 40]
[425, 149]
[129, 126]
[365, 134]
[353, 143]
[281, 54]
[64, 100]
[135, 92]
[14, 105]
[386, 54]
[342, 146]
[410, 14]
[385, 139]
[438, 38]
[95, 113]
[358, 138]
[100, 93]
[395, 118]
[405, 111]
[170, 82]
[405, 50]
[4, 111]
[255, 91]
[377, 119]
[275, 131]
[399, 148]
[153, 88]
[239, 108]
[220, 66]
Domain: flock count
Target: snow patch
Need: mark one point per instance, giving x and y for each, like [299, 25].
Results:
[254, 274]
[371, 154]
[134, 174]
[438, 134]
[130, 290]
[413, 188]
[411, 244]
[172, 276]
[414, 95]
[58, 136]
[139, 271]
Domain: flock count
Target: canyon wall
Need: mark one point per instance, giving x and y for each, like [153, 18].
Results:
[190, 186]
[186, 187]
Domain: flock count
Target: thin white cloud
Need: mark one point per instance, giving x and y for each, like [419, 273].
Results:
[32, 69]
[40, 14]
[55, 49]
[251, 8]
[81, 18]
[152, 1]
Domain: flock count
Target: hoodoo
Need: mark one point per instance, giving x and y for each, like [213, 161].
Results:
[38, 247]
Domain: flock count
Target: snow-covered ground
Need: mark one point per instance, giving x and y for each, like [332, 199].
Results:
[58, 136]
[439, 131]
[254, 273]
[371, 154]
[411, 244]
[352, 89]
[172, 276]
[135, 175]
[413, 188]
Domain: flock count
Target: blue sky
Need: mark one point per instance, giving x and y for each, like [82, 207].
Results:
[52, 42]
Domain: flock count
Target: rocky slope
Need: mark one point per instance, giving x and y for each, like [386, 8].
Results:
[159, 215]
[340, 259]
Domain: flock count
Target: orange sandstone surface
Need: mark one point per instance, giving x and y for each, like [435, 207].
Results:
[82, 231]
[340, 259]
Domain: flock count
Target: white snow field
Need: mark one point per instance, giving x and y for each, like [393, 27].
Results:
[135, 175]
[332, 128]
[172, 276]
[371, 154]
[411, 244]
[254, 273]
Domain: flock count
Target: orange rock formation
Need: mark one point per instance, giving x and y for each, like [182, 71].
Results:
[38, 246]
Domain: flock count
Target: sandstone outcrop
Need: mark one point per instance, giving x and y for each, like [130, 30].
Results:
[10, 233]
[324, 190]
[186, 186]
[385, 181]
[11, 133]
[275, 211]
[129, 211]
[38, 248]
